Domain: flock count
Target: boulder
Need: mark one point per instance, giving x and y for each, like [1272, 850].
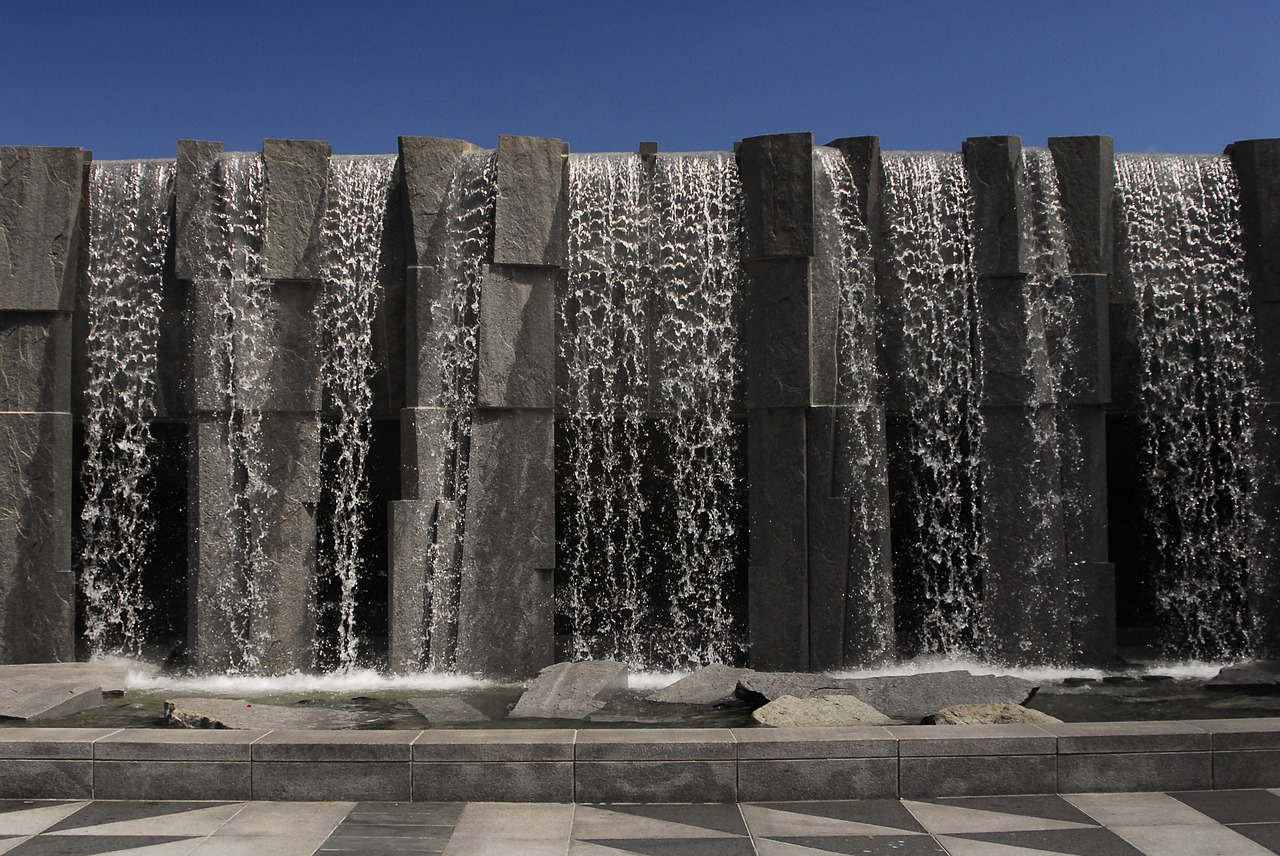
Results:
[1263, 673]
[32, 691]
[819, 712]
[570, 690]
[764, 687]
[709, 685]
[446, 711]
[987, 714]
[241, 714]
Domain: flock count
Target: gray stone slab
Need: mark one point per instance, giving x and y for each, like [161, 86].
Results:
[424, 354]
[924, 778]
[655, 781]
[34, 698]
[819, 711]
[330, 745]
[571, 690]
[674, 744]
[62, 744]
[196, 229]
[818, 779]
[1086, 182]
[1259, 768]
[408, 600]
[241, 714]
[513, 781]
[311, 781]
[790, 744]
[708, 685]
[296, 178]
[505, 602]
[988, 714]
[109, 674]
[995, 180]
[159, 744]
[46, 780]
[422, 452]
[171, 780]
[37, 617]
[35, 361]
[1257, 163]
[970, 740]
[862, 154]
[446, 711]
[1102, 737]
[517, 338]
[1145, 771]
[495, 744]
[777, 189]
[426, 165]
[40, 196]
[1260, 673]
[776, 338]
[532, 195]
[1251, 733]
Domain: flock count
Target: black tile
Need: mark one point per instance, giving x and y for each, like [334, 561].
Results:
[376, 844]
[679, 846]
[869, 845]
[115, 812]
[1077, 842]
[890, 813]
[89, 845]
[390, 830]
[1234, 806]
[1046, 806]
[7, 806]
[1266, 834]
[719, 817]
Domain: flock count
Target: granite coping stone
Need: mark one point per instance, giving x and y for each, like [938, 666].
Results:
[668, 744]
[174, 744]
[953, 740]
[1254, 733]
[334, 746]
[760, 744]
[1106, 737]
[51, 743]
[495, 745]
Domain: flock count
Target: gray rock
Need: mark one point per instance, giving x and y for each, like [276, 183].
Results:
[426, 164]
[446, 711]
[822, 712]
[1086, 180]
[530, 211]
[241, 714]
[517, 338]
[297, 176]
[763, 687]
[571, 690]
[993, 166]
[35, 353]
[196, 227]
[40, 193]
[45, 690]
[708, 685]
[1262, 673]
[987, 714]
[777, 189]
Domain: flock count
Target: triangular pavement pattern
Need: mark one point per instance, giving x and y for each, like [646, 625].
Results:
[965, 847]
[1092, 842]
[106, 812]
[770, 822]
[720, 817]
[1046, 806]
[35, 818]
[684, 846]
[887, 813]
[7, 844]
[100, 845]
[196, 822]
[899, 845]
[773, 847]
[951, 819]
[592, 823]
[592, 848]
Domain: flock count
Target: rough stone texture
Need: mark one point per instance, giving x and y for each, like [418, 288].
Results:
[469, 781]
[1087, 181]
[505, 601]
[777, 582]
[40, 216]
[1086, 358]
[708, 685]
[1257, 164]
[924, 778]
[37, 615]
[426, 164]
[423, 386]
[1012, 373]
[46, 780]
[1264, 592]
[1084, 482]
[777, 186]
[446, 711]
[571, 690]
[776, 338]
[655, 781]
[28, 698]
[819, 712]
[995, 181]
[373, 781]
[196, 198]
[1154, 771]
[987, 714]
[818, 779]
[532, 195]
[862, 154]
[408, 597]
[241, 714]
[172, 780]
[296, 177]
[109, 675]
[1262, 673]
[35, 361]
[517, 338]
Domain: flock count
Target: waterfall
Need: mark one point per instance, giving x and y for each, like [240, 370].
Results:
[1181, 258]
[933, 370]
[352, 234]
[844, 246]
[128, 240]
[651, 455]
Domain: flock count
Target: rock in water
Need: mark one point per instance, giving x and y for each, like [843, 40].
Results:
[241, 714]
[819, 712]
[446, 711]
[1263, 673]
[987, 714]
[570, 690]
[32, 691]
[709, 685]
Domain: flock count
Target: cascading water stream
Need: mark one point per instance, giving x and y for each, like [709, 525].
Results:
[1181, 256]
[358, 193]
[938, 544]
[128, 240]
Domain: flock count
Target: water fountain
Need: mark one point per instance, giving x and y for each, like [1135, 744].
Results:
[798, 407]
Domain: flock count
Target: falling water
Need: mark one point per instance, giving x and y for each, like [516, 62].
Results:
[241, 347]
[939, 554]
[843, 244]
[128, 240]
[358, 191]
[466, 244]
[1180, 252]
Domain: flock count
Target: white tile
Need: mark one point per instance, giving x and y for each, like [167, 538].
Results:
[259, 845]
[522, 821]
[489, 846]
[278, 819]
[38, 818]
[1138, 810]
[765, 822]
[592, 822]
[1184, 840]
[950, 818]
[195, 823]
[965, 847]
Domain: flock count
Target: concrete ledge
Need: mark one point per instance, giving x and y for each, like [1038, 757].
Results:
[639, 765]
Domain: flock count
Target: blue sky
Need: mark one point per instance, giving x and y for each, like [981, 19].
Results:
[129, 79]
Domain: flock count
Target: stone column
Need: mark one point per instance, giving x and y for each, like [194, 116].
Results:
[1025, 611]
[1257, 164]
[41, 210]
[1086, 181]
[505, 609]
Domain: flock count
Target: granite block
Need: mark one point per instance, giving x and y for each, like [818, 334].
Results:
[1145, 771]
[1131, 737]
[41, 190]
[426, 165]
[977, 775]
[35, 361]
[786, 744]
[171, 780]
[995, 180]
[674, 744]
[776, 339]
[296, 180]
[529, 213]
[163, 744]
[1237, 734]
[63, 744]
[818, 779]
[655, 781]
[498, 744]
[517, 338]
[964, 740]
[1257, 768]
[46, 780]
[777, 189]
[490, 781]
[196, 228]
[331, 780]
[336, 746]
[1086, 182]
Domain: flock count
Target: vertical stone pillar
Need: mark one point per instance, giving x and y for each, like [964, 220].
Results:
[422, 526]
[1257, 163]
[1026, 613]
[505, 608]
[1086, 181]
[41, 209]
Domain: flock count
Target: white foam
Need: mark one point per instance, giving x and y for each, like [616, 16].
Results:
[356, 680]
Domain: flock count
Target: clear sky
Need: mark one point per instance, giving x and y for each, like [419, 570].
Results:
[128, 79]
